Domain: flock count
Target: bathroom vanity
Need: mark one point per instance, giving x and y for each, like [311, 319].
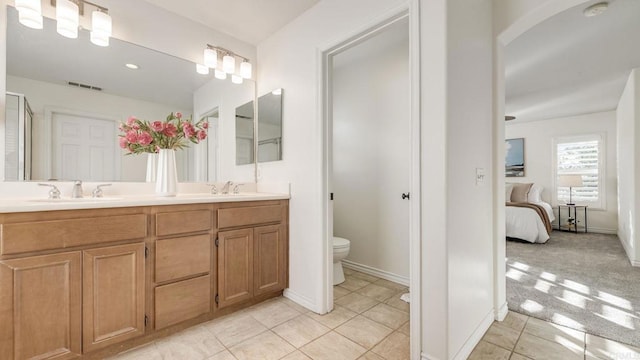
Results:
[93, 281]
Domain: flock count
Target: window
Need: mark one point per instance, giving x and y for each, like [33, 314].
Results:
[581, 155]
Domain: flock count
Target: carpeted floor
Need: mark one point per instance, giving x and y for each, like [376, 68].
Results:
[583, 281]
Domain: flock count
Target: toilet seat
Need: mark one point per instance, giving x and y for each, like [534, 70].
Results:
[340, 243]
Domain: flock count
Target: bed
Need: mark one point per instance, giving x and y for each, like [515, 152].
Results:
[529, 220]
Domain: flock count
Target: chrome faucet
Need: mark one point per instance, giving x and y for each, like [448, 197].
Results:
[54, 193]
[97, 192]
[236, 189]
[214, 189]
[225, 187]
[77, 193]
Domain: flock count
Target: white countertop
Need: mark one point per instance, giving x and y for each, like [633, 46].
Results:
[29, 197]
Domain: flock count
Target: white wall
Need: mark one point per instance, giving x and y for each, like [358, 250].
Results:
[371, 152]
[290, 59]
[226, 97]
[628, 118]
[42, 95]
[539, 141]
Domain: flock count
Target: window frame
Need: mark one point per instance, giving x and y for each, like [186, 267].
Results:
[600, 204]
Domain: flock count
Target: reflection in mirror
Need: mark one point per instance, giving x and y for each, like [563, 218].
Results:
[212, 156]
[244, 134]
[79, 93]
[270, 126]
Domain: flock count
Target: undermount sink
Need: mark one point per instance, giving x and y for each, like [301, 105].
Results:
[208, 195]
[75, 200]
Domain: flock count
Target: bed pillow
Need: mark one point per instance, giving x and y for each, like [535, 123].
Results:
[508, 188]
[535, 194]
[520, 192]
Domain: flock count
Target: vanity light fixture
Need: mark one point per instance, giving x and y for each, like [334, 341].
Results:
[219, 74]
[202, 69]
[236, 79]
[245, 69]
[30, 13]
[210, 57]
[229, 63]
[67, 18]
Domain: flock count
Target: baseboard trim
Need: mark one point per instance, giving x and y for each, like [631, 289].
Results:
[502, 312]
[376, 272]
[625, 246]
[598, 230]
[424, 356]
[475, 338]
[301, 300]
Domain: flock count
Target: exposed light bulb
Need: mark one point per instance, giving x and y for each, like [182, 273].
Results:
[236, 79]
[210, 57]
[219, 74]
[67, 18]
[245, 69]
[229, 64]
[202, 69]
[101, 27]
[30, 13]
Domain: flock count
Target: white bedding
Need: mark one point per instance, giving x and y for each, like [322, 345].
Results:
[525, 224]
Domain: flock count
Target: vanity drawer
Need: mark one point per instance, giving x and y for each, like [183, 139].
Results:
[57, 234]
[248, 216]
[181, 257]
[183, 222]
[183, 300]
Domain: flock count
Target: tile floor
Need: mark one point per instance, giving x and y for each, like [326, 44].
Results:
[520, 337]
[369, 322]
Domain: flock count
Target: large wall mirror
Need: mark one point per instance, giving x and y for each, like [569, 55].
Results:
[269, 129]
[77, 94]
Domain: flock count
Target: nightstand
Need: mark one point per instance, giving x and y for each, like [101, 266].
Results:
[571, 220]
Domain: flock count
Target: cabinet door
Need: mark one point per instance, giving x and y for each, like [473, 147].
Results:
[270, 264]
[113, 295]
[40, 307]
[235, 266]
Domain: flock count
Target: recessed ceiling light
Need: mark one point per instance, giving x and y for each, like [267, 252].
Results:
[132, 66]
[596, 9]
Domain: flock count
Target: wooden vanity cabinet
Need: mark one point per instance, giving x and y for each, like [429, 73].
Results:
[40, 307]
[252, 254]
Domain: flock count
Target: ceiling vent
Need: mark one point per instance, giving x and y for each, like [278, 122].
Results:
[84, 86]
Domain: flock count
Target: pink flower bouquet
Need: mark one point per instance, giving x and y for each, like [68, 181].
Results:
[141, 136]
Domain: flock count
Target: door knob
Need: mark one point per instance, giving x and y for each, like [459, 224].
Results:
[405, 196]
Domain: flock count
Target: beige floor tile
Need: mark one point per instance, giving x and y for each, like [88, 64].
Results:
[333, 346]
[371, 356]
[397, 303]
[224, 355]
[353, 283]
[502, 336]
[338, 316]
[516, 356]
[231, 330]
[392, 285]
[363, 331]
[273, 313]
[515, 320]
[347, 271]
[556, 333]
[266, 346]
[299, 308]
[356, 302]
[195, 343]
[148, 351]
[488, 351]
[296, 355]
[339, 292]
[363, 276]
[537, 348]
[376, 292]
[300, 330]
[601, 348]
[386, 315]
[406, 328]
[394, 347]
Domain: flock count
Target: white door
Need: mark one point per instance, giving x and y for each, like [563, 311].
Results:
[84, 148]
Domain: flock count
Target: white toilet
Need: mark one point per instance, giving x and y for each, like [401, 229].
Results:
[340, 251]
